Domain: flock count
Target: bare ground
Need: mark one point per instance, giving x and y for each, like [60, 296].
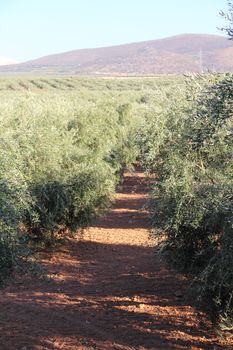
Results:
[107, 290]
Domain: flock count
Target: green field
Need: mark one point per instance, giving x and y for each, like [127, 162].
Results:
[64, 143]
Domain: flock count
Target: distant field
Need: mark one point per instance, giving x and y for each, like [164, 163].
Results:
[73, 83]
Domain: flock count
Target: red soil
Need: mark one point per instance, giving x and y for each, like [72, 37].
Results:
[107, 290]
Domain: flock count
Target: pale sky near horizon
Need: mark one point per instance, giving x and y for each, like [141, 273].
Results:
[34, 28]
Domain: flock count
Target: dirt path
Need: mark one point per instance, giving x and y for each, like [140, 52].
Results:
[107, 291]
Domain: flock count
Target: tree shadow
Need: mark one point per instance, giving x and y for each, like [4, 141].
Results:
[105, 301]
[104, 296]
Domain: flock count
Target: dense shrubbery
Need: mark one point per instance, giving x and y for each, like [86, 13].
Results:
[190, 145]
[61, 156]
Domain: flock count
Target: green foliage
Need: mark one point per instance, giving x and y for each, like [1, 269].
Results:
[229, 18]
[14, 199]
[191, 147]
[61, 153]
[65, 141]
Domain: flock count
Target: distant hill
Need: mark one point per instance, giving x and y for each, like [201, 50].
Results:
[174, 55]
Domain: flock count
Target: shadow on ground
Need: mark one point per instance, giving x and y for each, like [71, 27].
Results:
[104, 295]
[93, 300]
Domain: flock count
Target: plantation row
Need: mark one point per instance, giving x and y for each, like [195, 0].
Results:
[62, 153]
[187, 141]
[37, 84]
[60, 157]
[73, 83]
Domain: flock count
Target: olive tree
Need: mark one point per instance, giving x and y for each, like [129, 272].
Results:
[229, 17]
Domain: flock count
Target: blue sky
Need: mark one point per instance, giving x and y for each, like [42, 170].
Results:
[34, 28]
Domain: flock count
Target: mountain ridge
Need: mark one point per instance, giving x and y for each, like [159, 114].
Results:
[178, 54]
